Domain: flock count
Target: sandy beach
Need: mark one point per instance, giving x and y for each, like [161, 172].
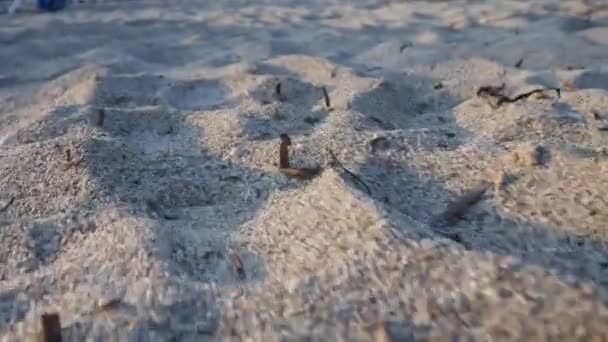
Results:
[447, 176]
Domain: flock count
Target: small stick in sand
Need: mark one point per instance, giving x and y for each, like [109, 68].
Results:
[284, 151]
[237, 265]
[357, 179]
[454, 237]
[277, 90]
[51, 327]
[326, 97]
[404, 46]
[574, 67]
[286, 169]
[68, 155]
[8, 204]
[101, 116]
[526, 95]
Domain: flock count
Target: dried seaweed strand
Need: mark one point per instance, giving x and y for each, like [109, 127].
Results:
[357, 179]
[525, 95]
[495, 91]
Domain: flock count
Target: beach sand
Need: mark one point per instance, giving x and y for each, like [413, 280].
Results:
[141, 197]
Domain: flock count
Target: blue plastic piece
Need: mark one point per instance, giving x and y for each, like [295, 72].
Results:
[51, 5]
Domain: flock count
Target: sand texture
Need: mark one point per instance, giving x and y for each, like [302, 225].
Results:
[141, 196]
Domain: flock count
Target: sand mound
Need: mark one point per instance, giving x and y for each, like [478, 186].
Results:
[140, 195]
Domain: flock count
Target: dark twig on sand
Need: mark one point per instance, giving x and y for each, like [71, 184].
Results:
[286, 169]
[356, 178]
[101, 117]
[454, 236]
[284, 151]
[68, 155]
[51, 327]
[326, 97]
[404, 46]
[237, 265]
[496, 92]
[69, 158]
[8, 204]
[277, 90]
[531, 92]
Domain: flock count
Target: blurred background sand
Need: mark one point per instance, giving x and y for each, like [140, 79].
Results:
[166, 217]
